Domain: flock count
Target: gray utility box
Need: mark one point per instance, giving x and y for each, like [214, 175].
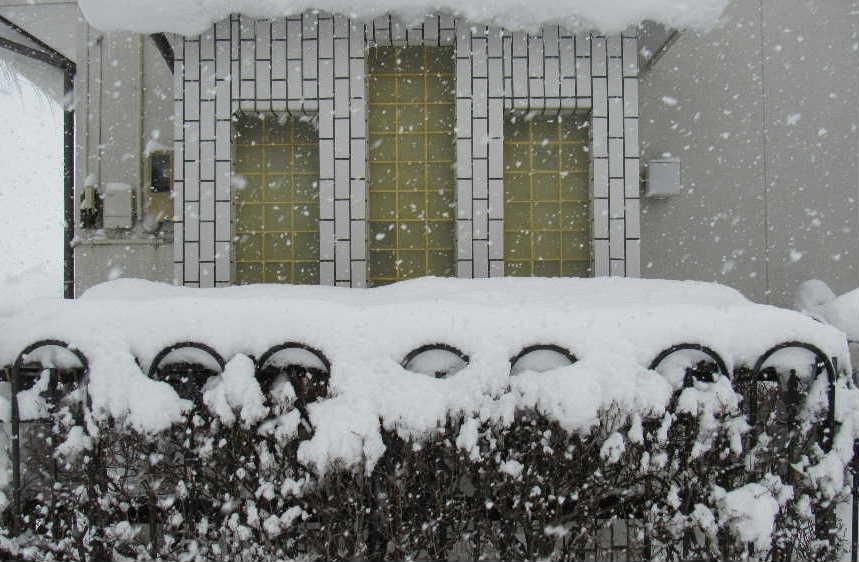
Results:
[663, 178]
[118, 205]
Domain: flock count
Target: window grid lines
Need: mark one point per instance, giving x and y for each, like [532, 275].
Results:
[277, 211]
[408, 233]
[554, 241]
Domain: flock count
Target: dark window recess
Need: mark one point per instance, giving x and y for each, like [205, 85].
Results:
[161, 170]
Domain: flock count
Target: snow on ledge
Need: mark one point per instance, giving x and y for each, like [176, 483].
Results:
[190, 17]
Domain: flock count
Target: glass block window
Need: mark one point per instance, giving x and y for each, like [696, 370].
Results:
[276, 199]
[547, 219]
[412, 152]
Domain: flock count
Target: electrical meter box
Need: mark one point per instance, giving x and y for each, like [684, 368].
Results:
[118, 205]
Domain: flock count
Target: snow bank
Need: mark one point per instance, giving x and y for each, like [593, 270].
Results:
[812, 294]
[371, 330]
[614, 327]
[815, 298]
[842, 312]
[18, 289]
[190, 17]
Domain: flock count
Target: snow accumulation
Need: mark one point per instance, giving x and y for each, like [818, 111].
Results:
[191, 17]
[18, 289]
[614, 327]
[843, 313]
[751, 511]
[812, 294]
[815, 298]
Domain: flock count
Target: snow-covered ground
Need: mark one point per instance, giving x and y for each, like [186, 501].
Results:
[31, 187]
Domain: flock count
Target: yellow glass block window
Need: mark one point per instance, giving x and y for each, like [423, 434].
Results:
[276, 200]
[547, 219]
[412, 152]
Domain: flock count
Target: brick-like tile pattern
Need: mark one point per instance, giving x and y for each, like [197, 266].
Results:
[314, 64]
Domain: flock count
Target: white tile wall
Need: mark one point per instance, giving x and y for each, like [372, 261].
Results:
[314, 64]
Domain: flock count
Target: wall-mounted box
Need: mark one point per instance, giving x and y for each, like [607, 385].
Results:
[158, 187]
[118, 205]
[662, 178]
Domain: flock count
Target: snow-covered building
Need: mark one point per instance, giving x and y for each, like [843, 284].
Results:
[223, 142]
[226, 142]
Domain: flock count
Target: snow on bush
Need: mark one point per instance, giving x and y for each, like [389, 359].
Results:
[190, 17]
[750, 512]
[266, 465]
[236, 391]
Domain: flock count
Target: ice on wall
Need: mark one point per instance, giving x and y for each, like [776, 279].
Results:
[190, 17]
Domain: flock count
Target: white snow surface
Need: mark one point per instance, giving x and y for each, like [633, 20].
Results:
[842, 312]
[811, 295]
[750, 512]
[615, 327]
[31, 179]
[191, 17]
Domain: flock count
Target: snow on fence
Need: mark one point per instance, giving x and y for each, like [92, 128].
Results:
[513, 419]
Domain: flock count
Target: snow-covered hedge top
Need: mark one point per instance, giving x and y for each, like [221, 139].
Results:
[190, 17]
[615, 327]
[489, 319]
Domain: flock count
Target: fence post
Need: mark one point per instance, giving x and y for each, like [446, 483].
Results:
[854, 520]
[16, 449]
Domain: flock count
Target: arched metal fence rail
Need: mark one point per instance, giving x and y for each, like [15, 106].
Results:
[193, 363]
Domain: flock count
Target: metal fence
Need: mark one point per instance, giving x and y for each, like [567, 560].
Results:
[57, 371]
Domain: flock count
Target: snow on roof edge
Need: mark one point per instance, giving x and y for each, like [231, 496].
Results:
[191, 17]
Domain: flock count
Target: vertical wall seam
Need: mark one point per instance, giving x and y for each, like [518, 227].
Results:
[765, 156]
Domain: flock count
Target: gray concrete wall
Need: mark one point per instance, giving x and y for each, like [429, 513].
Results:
[124, 94]
[124, 104]
[53, 21]
[763, 113]
[98, 261]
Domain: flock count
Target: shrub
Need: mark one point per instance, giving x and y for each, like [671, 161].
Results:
[228, 485]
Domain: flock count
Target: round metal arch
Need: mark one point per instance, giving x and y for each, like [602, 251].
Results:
[19, 361]
[15, 384]
[307, 386]
[415, 353]
[818, 354]
[186, 388]
[156, 361]
[272, 351]
[542, 347]
[822, 359]
[665, 353]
